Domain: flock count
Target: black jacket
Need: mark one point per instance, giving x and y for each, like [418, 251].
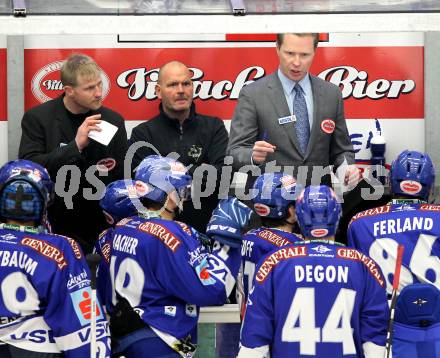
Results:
[48, 138]
[200, 140]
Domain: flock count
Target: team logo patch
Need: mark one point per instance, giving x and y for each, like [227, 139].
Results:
[191, 310]
[106, 164]
[46, 84]
[321, 249]
[8, 237]
[420, 302]
[170, 310]
[328, 126]
[319, 232]
[203, 273]
[78, 281]
[82, 301]
[410, 187]
[261, 209]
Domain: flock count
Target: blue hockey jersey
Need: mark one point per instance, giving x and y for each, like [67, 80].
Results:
[256, 244]
[165, 273]
[377, 233]
[45, 302]
[316, 299]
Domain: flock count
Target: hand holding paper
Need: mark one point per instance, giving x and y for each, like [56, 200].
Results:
[106, 134]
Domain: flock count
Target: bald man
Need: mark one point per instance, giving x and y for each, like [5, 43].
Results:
[196, 138]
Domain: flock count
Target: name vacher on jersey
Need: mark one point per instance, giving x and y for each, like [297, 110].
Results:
[378, 232]
[165, 273]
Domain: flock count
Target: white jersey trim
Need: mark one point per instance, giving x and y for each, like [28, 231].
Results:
[34, 328]
[258, 352]
[372, 350]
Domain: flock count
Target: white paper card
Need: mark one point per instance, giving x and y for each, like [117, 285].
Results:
[104, 137]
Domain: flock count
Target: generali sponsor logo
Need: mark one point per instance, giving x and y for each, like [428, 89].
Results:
[162, 233]
[371, 212]
[273, 238]
[278, 256]
[46, 83]
[106, 248]
[430, 207]
[46, 249]
[352, 254]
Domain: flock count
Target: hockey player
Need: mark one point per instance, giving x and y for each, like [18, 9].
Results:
[162, 271]
[45, 302]
[274, 202]
[408, 220]
[317, 298]
[119, 202]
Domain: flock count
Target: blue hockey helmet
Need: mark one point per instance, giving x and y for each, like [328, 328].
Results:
[318, 211]
[119, 199]
[162, 176]
[412, 174]
[25, 191]
[274, 193]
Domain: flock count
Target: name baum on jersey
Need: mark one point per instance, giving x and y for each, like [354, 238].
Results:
[18, 259]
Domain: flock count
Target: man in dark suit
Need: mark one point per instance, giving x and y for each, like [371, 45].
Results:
[55, 134]
[293, 118]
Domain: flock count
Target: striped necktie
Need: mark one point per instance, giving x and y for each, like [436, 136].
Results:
[302, 125]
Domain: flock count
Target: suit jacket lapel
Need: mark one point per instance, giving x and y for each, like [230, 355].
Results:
[64, 122]
[317, 103]
[282, 109]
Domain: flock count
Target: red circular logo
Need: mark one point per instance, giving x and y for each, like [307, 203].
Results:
[319, 232]
[141, 188]
[46, 83]
[410, 187]
[261, 209]
[328, 125]
[106, 164]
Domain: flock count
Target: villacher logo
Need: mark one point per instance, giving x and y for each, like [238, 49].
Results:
[46, 83]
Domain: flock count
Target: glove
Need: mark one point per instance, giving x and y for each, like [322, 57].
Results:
[228, 219]
[124, 319]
